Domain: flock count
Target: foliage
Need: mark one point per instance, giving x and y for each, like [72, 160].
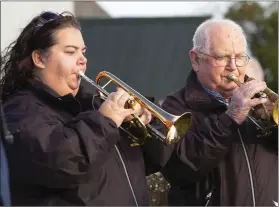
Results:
[158, 189]
[260, 23]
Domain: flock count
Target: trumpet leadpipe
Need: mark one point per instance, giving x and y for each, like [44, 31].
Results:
[83, 76]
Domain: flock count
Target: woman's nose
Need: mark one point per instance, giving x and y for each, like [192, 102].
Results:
[82, 60]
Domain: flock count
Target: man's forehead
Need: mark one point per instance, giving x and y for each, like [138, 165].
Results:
[228, 50]
[228, 44]
[225, 32]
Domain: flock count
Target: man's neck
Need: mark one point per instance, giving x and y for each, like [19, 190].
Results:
[215, 94]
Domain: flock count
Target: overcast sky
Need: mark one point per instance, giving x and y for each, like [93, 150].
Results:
[163, 8]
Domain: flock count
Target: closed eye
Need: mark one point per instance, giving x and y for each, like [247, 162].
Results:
[70, 52]
[221, 57]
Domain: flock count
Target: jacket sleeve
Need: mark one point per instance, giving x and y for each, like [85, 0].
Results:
[204, 144]
[53, 154]
[156, 154]
[271, 141]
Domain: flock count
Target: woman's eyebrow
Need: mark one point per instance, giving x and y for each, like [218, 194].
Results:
[76, 47]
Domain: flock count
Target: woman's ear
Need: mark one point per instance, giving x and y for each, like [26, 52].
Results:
[195, 60]
[38, 59]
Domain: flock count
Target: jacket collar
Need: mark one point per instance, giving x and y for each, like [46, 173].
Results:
[48, 95]
[196, 97]
[40, 87]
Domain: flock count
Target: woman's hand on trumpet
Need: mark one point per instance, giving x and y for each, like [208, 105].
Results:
[114, 106]
[142, 113]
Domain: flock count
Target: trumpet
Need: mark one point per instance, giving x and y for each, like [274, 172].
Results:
[175, 126]
[268, 123]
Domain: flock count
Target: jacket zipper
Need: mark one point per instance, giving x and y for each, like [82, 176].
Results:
[247, 160]
[127, 176]
[249, 169]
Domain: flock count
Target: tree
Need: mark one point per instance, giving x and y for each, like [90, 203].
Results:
[260, 23]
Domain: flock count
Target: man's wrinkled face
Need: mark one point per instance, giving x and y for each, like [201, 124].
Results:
[224, 41]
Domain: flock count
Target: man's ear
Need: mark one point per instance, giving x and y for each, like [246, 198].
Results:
[38, 59]
[195, 60]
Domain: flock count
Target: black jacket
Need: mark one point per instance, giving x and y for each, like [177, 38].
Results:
[4, 178]
[66, 153]
[211, 155]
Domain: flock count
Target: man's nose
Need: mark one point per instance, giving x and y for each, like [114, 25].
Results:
[231, 64]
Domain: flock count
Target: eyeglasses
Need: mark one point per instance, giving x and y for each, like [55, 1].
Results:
[45, 18]
[240, 61]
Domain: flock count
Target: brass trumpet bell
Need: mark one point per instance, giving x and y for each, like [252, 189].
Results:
[275, 112]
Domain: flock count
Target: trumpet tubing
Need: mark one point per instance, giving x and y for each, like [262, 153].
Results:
[176, 125]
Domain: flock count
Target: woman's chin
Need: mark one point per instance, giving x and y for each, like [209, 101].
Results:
[74, 86]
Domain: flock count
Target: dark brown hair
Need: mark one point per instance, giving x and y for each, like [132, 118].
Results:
[17, 64]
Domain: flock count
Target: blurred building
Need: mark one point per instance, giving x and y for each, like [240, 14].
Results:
[89, 9]
[149, 54]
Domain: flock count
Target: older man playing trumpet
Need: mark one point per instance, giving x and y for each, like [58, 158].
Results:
[225, 158]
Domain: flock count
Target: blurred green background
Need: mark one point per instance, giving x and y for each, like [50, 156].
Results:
[261, 27]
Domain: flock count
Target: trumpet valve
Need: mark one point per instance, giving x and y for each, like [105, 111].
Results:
[131, 103]
[261, 94]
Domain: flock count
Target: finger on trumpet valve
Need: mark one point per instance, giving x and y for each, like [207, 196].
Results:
[131, 103]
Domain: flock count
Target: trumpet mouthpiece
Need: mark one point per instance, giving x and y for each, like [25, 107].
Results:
[80, 74]
[231, 77]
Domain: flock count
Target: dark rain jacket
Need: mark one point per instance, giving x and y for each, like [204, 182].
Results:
[66, 153]
[218, 157]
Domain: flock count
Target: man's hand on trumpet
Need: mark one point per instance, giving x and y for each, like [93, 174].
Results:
[242, 100]
[269, 105]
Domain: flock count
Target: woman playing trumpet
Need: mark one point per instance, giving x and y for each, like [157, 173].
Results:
[65, 151]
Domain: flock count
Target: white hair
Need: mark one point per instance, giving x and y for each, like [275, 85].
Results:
[201, 39]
